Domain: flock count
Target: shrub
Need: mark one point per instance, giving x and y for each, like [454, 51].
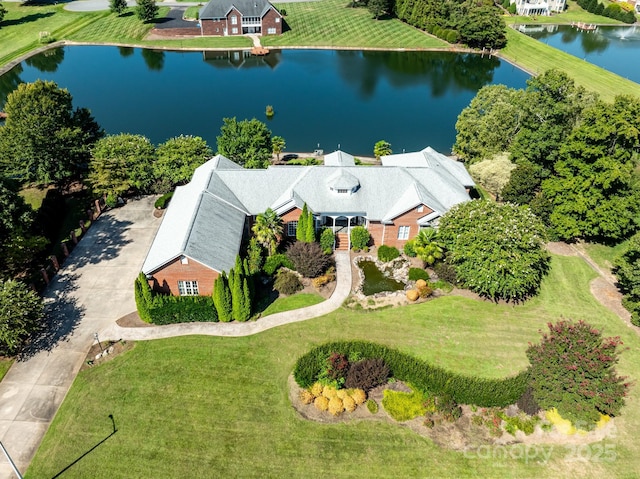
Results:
[448, 407]
[342, 393]
[316, 389]
[409, 249]
[335, 406]
[337, 367]
[418, 273]
[329, 392]
[163, 201]
[111, 200]
[413, 295]
[360, 238]
[306, 397]
[349, 404]
[359, 396]
[372, 406]
[573, 370]
[275, 262]
[421, 283]
[527, 402]
[321, 403]
[287, 282]
[308, 258]
[387, 253]
[426, 377]
[425, 291]
[445, 272]
[320, 281]
[452, 36]
[367, 374]
[327, 239]
[498, 250]
[627, 270]
[403, 406]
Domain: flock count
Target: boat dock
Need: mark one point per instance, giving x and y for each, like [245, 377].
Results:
[587, 27]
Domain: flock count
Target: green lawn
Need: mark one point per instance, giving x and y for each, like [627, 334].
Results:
[604, 255]
[573, 13]
[331, 23]
[34, 196]
[5, 364]
[537, 57]
[297, 301]
[219, 407]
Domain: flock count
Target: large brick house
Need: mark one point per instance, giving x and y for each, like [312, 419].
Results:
[240, 17]
[207, 219]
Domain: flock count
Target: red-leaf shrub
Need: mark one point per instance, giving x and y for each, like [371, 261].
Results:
[367, 374]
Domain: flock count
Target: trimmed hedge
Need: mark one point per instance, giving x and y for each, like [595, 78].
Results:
[463, 389]
[163, 201]
[167, 309]
[418, 273]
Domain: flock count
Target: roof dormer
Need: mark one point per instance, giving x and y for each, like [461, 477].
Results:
[343, 182]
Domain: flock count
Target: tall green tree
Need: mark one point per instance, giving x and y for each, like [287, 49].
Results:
[573, 370]
[246, 142]
[497, 250]
[117, 6]
[21, 313]
[594, 187]
[381, 148]
[222, 298]
[255, 257]
[120, 163]
[301, 227]
[44, 139]
[268, 230]
[17, 241]
[278, 145]
[627, 270]
[240, 295]
[310, 228]
[147, 10]
[177, 158]
[378, 8]
[483, 27]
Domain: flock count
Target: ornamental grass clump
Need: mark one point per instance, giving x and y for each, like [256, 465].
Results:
[306, 397]
[335, 406]
[321, 403]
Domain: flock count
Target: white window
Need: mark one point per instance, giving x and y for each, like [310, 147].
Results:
[271, 31]
[403, 232]
[420, 209]
[188, 288]
[277, 20]
[234, 30]
[184, 260]
[234, 20]
[291, 228]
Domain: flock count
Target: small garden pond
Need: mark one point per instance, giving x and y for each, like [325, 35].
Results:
[375, 280]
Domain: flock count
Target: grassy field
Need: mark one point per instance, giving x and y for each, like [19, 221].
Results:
[330, 23]
[297, 301]
[219, 407]
[5, 364]
[573, 13]
[604, 255]
[537, 57]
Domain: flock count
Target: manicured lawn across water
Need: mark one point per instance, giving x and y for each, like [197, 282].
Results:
[219, 407]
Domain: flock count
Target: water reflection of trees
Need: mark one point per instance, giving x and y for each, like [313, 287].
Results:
[47, 61]
[154, 59]
[8, 82]
[594, 43]
[444, 71]
[125, 51]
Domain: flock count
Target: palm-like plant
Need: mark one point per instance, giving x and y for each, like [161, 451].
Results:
[427, 246]
[268, 230]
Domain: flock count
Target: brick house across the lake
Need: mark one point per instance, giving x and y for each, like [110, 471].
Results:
[240, 17]
[207, 219]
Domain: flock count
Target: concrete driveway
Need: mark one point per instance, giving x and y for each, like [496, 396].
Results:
[91, 291]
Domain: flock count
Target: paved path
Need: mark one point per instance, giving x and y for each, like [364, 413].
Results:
[92, 290]
[343, 288]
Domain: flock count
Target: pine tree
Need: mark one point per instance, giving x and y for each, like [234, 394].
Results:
[301, 230]
[246, 301]
[310, 228]
[222, 298]
[237, 295]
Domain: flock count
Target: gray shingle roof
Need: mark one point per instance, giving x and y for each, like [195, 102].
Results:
[248, 8]
[205, 219]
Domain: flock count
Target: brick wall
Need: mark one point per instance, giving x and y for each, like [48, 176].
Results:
[213, 27]
[375, 230]
[238, 24]
[166, 279]
[272, 19]
[410, 218]
[291, 215]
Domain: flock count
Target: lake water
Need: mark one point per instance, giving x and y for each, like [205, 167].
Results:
[616, 49]
[328, 98]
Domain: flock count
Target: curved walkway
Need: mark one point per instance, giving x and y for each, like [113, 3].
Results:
[343, 288]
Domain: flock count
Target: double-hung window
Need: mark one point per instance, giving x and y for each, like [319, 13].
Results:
[403, 232]
[291, 228]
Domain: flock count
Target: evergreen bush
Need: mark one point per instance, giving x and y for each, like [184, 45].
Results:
[360, 238]
[163, 201]
[287, 282]
[409, 249]
[327, 240]
[418, 273]
[387, 253]
[275, 262]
